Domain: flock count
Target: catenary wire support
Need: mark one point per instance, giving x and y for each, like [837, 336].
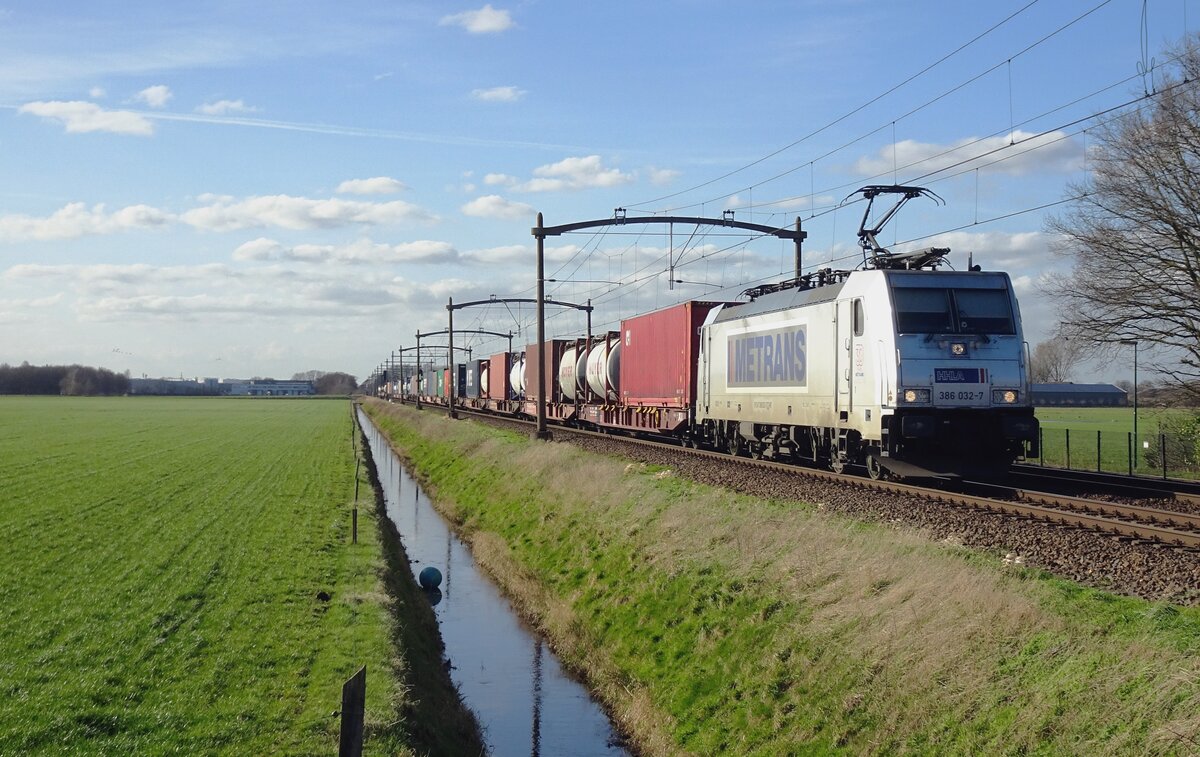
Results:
[541, 302]
[620, 218]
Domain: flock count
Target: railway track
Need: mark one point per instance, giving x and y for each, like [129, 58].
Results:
[1125, 521]
[1144, 555]
[1135, 521]
[1138, 487]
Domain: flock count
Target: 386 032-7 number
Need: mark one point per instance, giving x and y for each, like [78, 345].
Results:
[960, 395]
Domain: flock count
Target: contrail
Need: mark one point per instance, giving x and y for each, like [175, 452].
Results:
[345, 131]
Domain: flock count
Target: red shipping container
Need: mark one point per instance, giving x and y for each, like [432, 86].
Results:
[447, 377]
[498, 368]
[554, 353]
[659, 353]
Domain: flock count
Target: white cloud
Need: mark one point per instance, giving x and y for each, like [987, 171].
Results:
[737, 202]
[498, 94]
[519, 253]
[77, 220]
[379, 185]
[81, 117]
[259, 249]
[156, 96]
[301, 213]
[486, 20]
[499, 180]
[575, 173]
[362, 251]
[1015, 252]
[495, 206]
[662, 176]
[1051, 152]
[96, 93]
[509, 253]
[225, 108]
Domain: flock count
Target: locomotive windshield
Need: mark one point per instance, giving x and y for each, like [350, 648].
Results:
[928, 310]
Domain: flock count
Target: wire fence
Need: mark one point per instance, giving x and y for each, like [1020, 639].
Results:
[1166, 455]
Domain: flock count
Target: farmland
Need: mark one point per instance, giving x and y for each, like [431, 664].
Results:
[178, 577]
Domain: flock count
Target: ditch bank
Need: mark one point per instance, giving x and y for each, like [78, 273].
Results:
[709, 621]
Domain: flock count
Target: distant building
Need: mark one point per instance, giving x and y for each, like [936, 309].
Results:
[267, 388]
[1078, 395]
[174, 386]
[215, 387]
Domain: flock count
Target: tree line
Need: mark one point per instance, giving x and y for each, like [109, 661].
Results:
[334, 382]
[71, 380]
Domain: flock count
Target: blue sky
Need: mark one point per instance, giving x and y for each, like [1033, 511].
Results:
[227, 189]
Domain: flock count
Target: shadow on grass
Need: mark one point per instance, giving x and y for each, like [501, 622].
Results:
[434, 718]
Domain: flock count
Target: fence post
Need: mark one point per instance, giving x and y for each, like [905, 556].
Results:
[1097, 450]
[1041, 446]
[1129, 439]
[1068, 448]
[1162, 452]
[354, 702]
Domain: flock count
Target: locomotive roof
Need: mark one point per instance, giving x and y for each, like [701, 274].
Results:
[799, 297]
[788, 298]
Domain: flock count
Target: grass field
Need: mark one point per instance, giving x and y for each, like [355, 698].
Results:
[1081, 438]
[177, 577]
[717, 623]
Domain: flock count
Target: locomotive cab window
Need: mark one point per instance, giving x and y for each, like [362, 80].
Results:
[859, 317]
[983, 311]
[925, 310]
[922, 311]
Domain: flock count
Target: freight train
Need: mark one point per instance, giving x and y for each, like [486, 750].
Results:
[897, 367]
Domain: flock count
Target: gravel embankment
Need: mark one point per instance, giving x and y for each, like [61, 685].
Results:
[1118, 565]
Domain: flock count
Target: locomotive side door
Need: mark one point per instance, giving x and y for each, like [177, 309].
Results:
[844, 328]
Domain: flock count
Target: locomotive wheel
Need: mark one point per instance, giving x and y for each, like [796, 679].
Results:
[756, 451]
[735, 446]
[875, 470]
[837, 466]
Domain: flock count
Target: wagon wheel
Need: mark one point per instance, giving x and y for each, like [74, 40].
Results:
[756, 451]
[836, 465]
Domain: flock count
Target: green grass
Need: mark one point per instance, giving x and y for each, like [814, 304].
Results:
[716, 623]
[163, 560]
[1079, 438]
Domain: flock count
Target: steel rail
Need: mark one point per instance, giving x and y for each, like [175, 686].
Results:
[1041, 512]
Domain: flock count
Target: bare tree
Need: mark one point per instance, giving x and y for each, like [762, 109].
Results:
[1133, 233]
[1052, 361]
[336, 383]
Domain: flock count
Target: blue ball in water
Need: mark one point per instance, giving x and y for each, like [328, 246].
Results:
[430, 578]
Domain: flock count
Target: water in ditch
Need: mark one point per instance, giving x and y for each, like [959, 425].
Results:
[524, 700]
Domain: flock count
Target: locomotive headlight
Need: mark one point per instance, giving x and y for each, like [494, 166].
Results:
[1004, 396]
[915, 396]
[958, 349]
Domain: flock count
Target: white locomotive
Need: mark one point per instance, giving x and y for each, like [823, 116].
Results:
[898, 367]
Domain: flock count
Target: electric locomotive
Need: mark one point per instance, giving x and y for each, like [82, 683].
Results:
[900, 367]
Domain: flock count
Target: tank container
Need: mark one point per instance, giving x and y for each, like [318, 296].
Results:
[604, 369]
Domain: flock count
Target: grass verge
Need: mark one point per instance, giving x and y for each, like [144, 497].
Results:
[712, 622]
